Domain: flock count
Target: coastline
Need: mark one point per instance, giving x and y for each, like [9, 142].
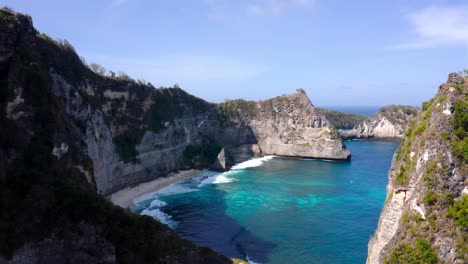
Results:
[124, 198]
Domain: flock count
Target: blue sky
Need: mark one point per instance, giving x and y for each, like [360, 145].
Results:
[341, 52]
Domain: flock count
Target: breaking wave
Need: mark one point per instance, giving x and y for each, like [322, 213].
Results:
[252, 163]
[161, 216]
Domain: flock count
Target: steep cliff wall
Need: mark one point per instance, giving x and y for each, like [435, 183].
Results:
[68, 133]
[133, 132]
[390, 122]
[129, 143]
[287, 125]
[425, 219]
[49, 209]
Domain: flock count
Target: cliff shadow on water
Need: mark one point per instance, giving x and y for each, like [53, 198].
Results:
[200, 215]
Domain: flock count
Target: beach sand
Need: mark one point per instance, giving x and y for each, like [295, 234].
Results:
[124, 198]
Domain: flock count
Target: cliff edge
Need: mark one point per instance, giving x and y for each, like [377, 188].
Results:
[424, 219]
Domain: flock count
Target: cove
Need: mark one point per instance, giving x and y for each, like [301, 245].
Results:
[276, 210]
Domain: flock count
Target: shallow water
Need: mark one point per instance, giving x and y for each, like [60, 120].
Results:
[276, 210]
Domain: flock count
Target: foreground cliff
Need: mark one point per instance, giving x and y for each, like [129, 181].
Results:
[69, 133]
[389, 123]
[425, 217]
[49, 209]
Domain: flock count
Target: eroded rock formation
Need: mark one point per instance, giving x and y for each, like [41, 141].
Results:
[389, 123]
[424, 218]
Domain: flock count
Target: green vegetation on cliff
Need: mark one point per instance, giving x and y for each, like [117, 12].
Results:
[408, 110]
[435, 138]
[126, 144]
[236, 110]
[459, 212]
[460, 130]
[203, 155]
[342, 120]
[419, 253]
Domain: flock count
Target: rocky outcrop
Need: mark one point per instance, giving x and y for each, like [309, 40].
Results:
[424, 217]
[389, 123]
[287, 125]
[220, 162]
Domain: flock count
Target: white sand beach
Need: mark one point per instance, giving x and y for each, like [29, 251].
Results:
[124, 198]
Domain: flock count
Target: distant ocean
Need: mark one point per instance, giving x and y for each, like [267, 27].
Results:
[361, 110]
[276, 210]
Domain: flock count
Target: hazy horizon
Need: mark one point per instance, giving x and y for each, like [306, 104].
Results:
[363, 53]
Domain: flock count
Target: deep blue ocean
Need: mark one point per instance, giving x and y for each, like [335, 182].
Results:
[276, 210]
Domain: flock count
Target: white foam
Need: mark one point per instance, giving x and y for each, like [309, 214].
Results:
[203, 176]
[216, 179]
[156, 204]
[251, 261]
[161, 216]
[252, 163]
[144, 197]
[175, 188]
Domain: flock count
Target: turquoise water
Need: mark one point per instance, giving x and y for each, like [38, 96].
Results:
[283, 210]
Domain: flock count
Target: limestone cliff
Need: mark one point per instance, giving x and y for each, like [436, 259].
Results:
[55, 148]
[424, 219]
[69, 133]
[133, 132]
[390, 122]
[287, 125]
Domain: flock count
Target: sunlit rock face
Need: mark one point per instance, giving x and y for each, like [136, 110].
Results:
[389, 123]
[427, 177]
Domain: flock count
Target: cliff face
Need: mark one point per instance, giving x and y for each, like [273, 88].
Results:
[287, 125]
[425, 219]
[68, 133]
[134, 132]
[55, 143]
[128, 144]
[390, 122]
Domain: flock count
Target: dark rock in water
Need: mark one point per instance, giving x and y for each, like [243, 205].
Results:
[220, 162]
